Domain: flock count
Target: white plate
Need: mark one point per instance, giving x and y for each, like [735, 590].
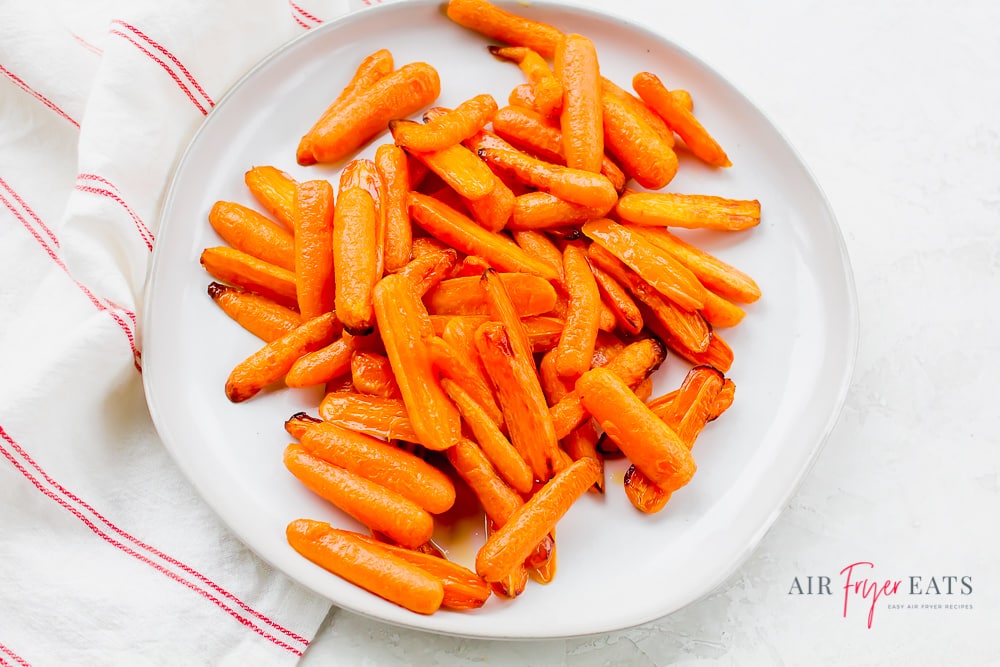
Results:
[794, 352]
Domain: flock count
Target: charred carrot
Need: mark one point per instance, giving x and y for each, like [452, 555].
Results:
[662, 209]
[377, 461]
[617, 298]
[355, 261]
[249, 231]
[365, 114]
[246, 271]
[270, 363]
[401, 320]
[374, 415]
[393, 170]
[372, 68]
[323, 365]
[367, 565]
[314, 260]
[661, 270]
[514, 541]
[578, 71]
[463, 234]
[274, 190]
[578, 186]
[526, 414]
[681, 120]
[488, 19]
[257, 314]
[547, 92]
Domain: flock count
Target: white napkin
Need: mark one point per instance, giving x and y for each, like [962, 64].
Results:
[107, 555]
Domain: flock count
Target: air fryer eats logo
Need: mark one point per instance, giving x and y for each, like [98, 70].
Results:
[862, 590]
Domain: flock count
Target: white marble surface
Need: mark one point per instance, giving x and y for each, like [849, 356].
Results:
[895, 106]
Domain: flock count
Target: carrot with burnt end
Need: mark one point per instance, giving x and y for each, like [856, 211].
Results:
[259, 315]
[249, 231]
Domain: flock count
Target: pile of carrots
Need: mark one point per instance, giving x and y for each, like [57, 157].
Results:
[486, 301]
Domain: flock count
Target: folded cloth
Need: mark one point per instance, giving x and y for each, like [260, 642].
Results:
[108, 556]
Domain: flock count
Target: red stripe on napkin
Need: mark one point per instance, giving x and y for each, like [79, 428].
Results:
[298, 11]
[90, 517]
[114, 194]
[173, 59]
[13, 656]
[37, 95]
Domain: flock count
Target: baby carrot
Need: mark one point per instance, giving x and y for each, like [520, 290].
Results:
[720, 312]
[428, 269]
[638, 147]
[321, 366]
[514, 541]
[396, 95]
[374, 415]
[702, 144]
[367, 565]
[486, 18]
[578, 71]
[547, 92]
[453, 367]
[246, 271]
[373, 505]
[451, 127]
[393, 170]
[538, 245]
[617, 298]
[498, 500]
[640, 109]
[249, 231]
[314, 260]
[574, 185]
[402, 319]
[271, 362]
[576, 344]
[671, 209]
[463, 234]
[275, 191]
[371, 374]
[530, 295]
[354, 260]
[257, 314]
[377, 461]
[372, 68]
[651, 445]
[502, 309]
[544, 211]
[454, 164]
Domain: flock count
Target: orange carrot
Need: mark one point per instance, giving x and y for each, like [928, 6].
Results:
[246, 271]
[321, 366]
[498, 500]
[452, 366]
[355, 262]
[377, 461]
[638, 147]
[514, 541]
[275, 191]
[395, 95]
[259, 315]
[688, 211]
[314, 260]
[367, 565]
[428, 270]
[271, 362]
[488, 19]
[651, 445]
[547, 92]
[530, 295]
[720, 312]
[401, 320]
[374, 415]
[545, 211]
[640, 109]
[463, 234]
[538, 245]
[573, 185]
[617, 298]
[371, 374]
[392, 168]
[502, 309]
[451, 127]
[249, 231]
[702, 144]
[578, 71]
[576, 345]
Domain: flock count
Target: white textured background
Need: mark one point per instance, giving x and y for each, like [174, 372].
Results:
[895, 107]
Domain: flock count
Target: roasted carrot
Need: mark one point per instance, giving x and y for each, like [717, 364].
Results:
[274, 190]
[681, 120]
[637, 146]
[715, 274]
[673, 209]
[718, 354]
[249, 231]
[392, 167]
[573, 185]
[372, 68]
[401, 320]
[451, 127]
[377, 461]
[488, 19]
[463, 588]
[493, 211]
[545, 211]
[270, 363]
[365, 114]
[514, 541]
[617, 298]
[510, 465]
[314, 260]
[499, 501]
[515, 379]
[523, 96]
[661, 270]
[576, 345]
[371, 374]
[325, 364]
[369, 566]
[463, 234]
[651, 445]
[375, 506]
[579, 73]
[246, 271]
[453, 365]
[471, 267]
[502, 309]
[374, 415]
[257, 314]
[720, 312]
[530, 295]
[428, 270]
[460, 334]
[538, 245]
[355, 262]
[547, 91]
